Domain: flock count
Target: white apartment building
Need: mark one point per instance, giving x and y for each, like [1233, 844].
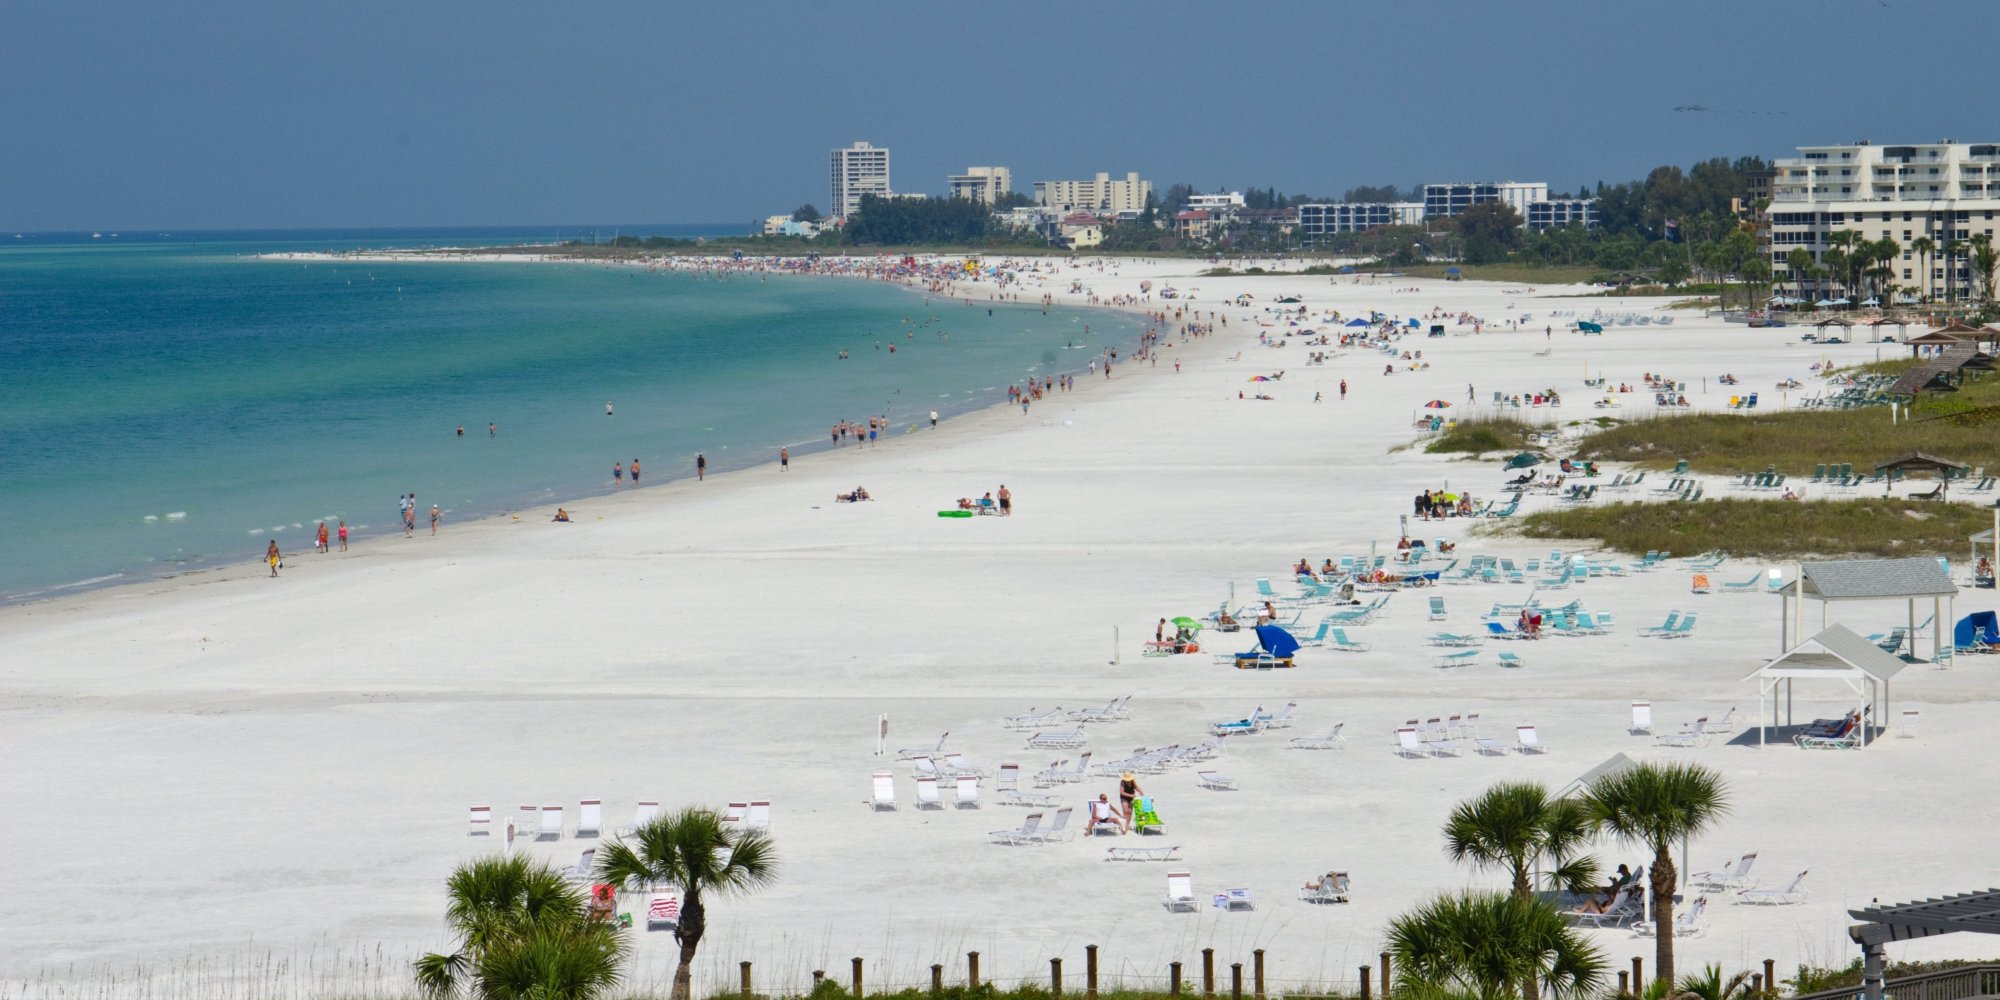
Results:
[984, 185]
[1944, 190]
[1222, 204]
[1442, 201]
[1317, 221]
[1101, 194]
[1558, 212]
[858, 170]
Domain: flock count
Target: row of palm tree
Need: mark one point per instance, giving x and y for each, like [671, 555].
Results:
[1499, 946]
[526, 932]
[1856, 263]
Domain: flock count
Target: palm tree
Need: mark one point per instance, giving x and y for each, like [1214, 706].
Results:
[1658, 805]
[1924, 246]
[1490, 946]
[1800, 261]
[1516, 826]
[1711, 986]
[1985, 260]
[692, 849]
[523, 930]
[1953, 250]
[1886, 252]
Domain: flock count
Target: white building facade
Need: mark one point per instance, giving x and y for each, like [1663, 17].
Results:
[1100, 194]
[857, 171]
[1442, 201]
[1943, 191]
[1317, 221]
[1559, 212]
[984, 185]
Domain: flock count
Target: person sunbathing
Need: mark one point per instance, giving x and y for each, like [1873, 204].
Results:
[561, 515]
[965, 503]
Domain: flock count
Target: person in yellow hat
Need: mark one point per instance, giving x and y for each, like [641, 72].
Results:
[1128, 791]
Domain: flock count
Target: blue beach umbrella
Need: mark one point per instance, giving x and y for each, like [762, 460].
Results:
[1357, 321]
[1276, 641]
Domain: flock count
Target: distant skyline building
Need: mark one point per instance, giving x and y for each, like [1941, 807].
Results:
[857, 171]
[1558, 212]
[1317, 221]
[1944, 190]
[984, 185]
[1442, 201]
[1221, 204]
[1100, 194]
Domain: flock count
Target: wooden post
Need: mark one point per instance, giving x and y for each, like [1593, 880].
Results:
[937, 978]
[972, 969]
[1257, 968]
[857, 977]
[1385, 974]
[1236, 981]
[1756, 984]
[1624, 982]
[744, 968]
[1638, 977]
[1771, 976]
[1173, 979]
[1055, 976]
[1366, 971]
[819, 975]
[1208, 972]
[1090, 971]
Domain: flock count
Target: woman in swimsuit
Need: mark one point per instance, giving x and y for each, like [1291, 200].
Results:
[1128, 792]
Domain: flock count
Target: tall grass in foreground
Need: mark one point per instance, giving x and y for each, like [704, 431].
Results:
[1775, 529]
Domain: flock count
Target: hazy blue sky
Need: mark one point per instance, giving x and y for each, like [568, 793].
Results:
[218, 113]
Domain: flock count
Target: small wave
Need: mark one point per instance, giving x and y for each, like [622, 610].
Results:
[179, 515]
[58, 588]
[150, 517]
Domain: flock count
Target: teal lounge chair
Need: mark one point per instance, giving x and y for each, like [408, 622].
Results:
[1464, 659]
[1510, 660]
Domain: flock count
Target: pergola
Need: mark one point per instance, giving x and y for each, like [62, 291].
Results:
[1970, 911]
[1918, 461]
[1842, 656]
[1867, 580]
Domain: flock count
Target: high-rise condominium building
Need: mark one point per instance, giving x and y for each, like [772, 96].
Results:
[984, 185]
[860, 169]
[1317, 221]
[1446, 200]
[1101, 194]
[1945, 191]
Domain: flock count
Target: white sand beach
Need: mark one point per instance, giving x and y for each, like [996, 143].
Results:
[285, 766]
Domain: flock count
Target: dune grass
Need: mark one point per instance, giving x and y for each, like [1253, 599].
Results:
[1771, 529]
[1477, 437]
[1797, 441]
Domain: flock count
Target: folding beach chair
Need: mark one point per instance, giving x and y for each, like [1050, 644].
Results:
[1734, 876]
[1332, 887]
[735, 813]
[584, 868]
[967, 791]
[1029, 824]
[552, 824]
[1790, 895]
[1217, 782]
[1642, 718]
[927, 794]
[1528, 741]
[589, 818]
[885, 790]
[642, 814]
[664, 912]
[760, 815]
[1180, 892]
[482, 822]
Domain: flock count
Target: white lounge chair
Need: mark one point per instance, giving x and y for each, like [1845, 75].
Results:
[1726, 724]
[1101, 819]
[1688, 923]
[1016, 797]
[1690, 735]
[967, 790]
[1490, 747]
[585, 867]
[1331, 741]
[531, 818]
[1235, 899]
[642, 814]
[589, 818]
[1329, 888]
[925, 767]
[1057, 740]
[735, 814]
[1057, 830]
[955, 764]
[1790, 895]
[909, 752]
[1440, 745]
[1180, 892]
[1218, 782]
[482, 822]
[1407, 744]
[885, 790]
[663, 913]
[1642, 718]
[1141, 853]
[1281, 719]
[1629, 906]
[552, 824]
[1029, 824]
[927, 794]
[1736, 876]
[1908, 729]
[1032, 720]
[760, 815]
[1527, 740]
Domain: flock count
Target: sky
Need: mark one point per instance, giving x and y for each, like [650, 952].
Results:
[223, 114]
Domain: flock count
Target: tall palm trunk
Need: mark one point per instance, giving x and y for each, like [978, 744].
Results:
[1664, 877]
[694, 921]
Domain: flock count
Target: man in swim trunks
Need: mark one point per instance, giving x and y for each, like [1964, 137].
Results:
[700, 467]
[635, 472]
[1006, 502]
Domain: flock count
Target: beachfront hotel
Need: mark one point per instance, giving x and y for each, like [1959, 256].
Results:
[1944, 190]
[984, 185]
[1100, 194]
[1442, 201]
[1556, 213]
[1318, 221]
[857, 171]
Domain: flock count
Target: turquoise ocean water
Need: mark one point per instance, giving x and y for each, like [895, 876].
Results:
[169, 403]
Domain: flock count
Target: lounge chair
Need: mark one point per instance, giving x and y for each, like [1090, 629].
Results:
[1751, 586]
[967, 791]
[1331, 887]
[1331, 741]
[589, 818]
[1060, 774]
[1033, 720]
[1680, 631]
[1240, 727]
[1343, 644]
[1460, 659]
[1629, 906]
[1141, 853]
[1495, 630]
[642, 814]
[1726, 724]
[736, 812]
[1101, 820]
[1688, 923]
[1690, 735]
[1487, 746]
[885, 790]
[936, 751]
[1180, 892]
[585, 867]
[1790, 895]
[927, 794]
[1029, 824]
[482, 822]
[1057, 740]
[1437, 609]
[956, 764]
[1642, 718]
[1042, 800]
[1055, 831]
[1216, 781]
[1453, 639]
[1736, 876]
[923, 766]
[663, 913]
[1407, 744]
[1235, 899]
[1673, 621]
[552, 824]
[1510, 660]
[1527, 741]
[1281, 719]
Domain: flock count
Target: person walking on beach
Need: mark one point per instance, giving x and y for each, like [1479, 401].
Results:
[700, 467]
[635, 472]
[1343, 388]
[617, 474]
[435, 515]
[319, 540]
[1128, 793]
[933, 419]
[272, 556]
[784, 460]
[1006, 502]
[343, 536]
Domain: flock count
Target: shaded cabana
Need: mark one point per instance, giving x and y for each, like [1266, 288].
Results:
[1835, 654]
[1834, 321]
[1846, 580]
[1918, 461]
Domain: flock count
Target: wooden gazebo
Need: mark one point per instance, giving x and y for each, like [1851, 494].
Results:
[1918, 461]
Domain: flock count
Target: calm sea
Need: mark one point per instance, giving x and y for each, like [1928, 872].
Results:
[169, 402]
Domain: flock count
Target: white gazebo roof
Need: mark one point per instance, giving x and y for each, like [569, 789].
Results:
[1835, 654]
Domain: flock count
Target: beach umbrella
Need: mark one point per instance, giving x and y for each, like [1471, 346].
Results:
[1453, 270]
[1823, 303]
[1437, 404]
[1523, 460]
[1871, 301]
[1260, 378]
[1276, 641]
[1187, 623]
[1357, 321]
[1413, 323]
[1145, 286]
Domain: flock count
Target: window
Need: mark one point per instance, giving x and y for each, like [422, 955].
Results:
[1906, 271]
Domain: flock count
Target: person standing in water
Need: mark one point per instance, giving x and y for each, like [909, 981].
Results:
[617, 474]
[607, 407]
[319, 541]
[435, 516]
[635, 472]
[784, 460]
[343, 536]
[700, 467]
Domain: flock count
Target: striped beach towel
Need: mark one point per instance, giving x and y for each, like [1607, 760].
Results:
[665, 911]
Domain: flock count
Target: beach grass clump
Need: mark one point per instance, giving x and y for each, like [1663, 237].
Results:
[1814, 979]
[1886, 527]
[1478, 437]
[1964, 430]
